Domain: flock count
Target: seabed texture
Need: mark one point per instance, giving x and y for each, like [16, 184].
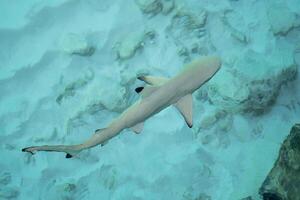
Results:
[68, 67]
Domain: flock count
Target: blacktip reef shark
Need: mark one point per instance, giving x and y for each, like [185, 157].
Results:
[157, 95]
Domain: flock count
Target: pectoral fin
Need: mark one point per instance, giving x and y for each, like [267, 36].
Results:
[185, 107]
[153, 80]
[138, 128]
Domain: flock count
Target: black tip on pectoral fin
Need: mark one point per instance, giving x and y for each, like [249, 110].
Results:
[69, 155]
[97, 130]
[139, 89]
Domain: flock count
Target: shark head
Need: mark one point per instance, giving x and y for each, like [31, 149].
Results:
[208, 65]
[200, 71]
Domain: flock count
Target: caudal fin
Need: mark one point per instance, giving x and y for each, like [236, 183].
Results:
[70, 150]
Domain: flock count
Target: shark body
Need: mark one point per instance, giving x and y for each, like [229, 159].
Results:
[158, 95]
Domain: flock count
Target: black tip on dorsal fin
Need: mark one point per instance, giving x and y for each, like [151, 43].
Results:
[142, 78]
[139, 89]
[69, 155]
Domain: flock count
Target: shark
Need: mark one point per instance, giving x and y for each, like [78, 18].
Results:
[157, 94]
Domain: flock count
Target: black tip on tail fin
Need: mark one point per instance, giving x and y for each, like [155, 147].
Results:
[69, 155]
[139, 89]
[27, 150]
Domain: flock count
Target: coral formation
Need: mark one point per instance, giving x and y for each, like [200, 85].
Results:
[76, 45]
[154, 7]
[254, 82]
[282, 182]
[132, 43]
[281, 19]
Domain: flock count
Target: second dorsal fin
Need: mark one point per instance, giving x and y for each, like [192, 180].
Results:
[138, 127]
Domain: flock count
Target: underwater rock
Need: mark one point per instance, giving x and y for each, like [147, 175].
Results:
[63, 191]
[203, 196]
[168, 6]
[238, 35]
[128, 47]
[282, 183]
[6, 190]
[187, 29]
[247, 198]
[74, 44]
[254, 82]
[183, 52]
[9, 193]
[213, 127]
[209, 120]
[149, 6]
[71, 88]
[187, 23]
[69, 187]
[5, 178]
[132, 43]
[155, 6]
[234, 30]
[281, 19]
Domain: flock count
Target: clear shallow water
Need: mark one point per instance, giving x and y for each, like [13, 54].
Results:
[69, 67]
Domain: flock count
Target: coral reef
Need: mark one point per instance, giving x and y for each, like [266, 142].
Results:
[7, 190]
[281, 19]
[154, 7]
[254, 82]
[133, 42]
[282, 183]
[74, 44]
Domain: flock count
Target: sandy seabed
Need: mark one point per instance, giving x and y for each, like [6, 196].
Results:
[68, 68]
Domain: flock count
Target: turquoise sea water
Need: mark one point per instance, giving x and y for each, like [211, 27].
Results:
[70, 67]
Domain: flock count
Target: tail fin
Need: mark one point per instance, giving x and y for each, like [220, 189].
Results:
[70, 150]
[100, 137]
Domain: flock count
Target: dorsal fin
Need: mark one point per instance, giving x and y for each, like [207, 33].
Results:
[153, 80]
[146, 91]
[185, 107]
[138, 127]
